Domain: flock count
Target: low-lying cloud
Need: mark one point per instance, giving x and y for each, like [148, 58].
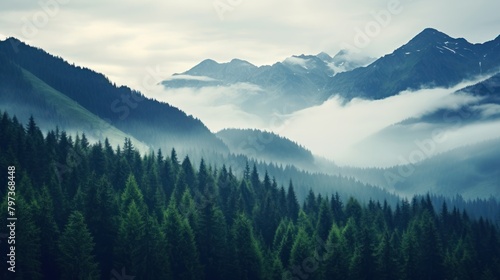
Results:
[333, 129]
[343, 132]
[218, 107]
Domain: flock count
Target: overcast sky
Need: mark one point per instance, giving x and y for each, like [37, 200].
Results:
[124, 38]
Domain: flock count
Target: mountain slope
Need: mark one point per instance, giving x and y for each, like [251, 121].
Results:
[432, 58]
[470, 171]
[266, 146]
[467, 116]
[155, 123]
[24, 95]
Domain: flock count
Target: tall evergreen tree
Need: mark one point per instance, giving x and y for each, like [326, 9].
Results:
[181, 246]
[336, 265]
[292, 203]
[76, 249]
[132, 193]
[101, 210]
[249, 257]
[49, 232]
[325, 221]
[283, 241]
[131, 249]
[387, 259]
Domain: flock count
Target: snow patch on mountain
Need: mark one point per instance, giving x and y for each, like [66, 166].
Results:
[449, 49]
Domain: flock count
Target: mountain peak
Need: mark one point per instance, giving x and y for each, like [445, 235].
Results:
[324, 56]
[430, 35]
[430, 30]
[208, 61]
[237, 61]
[12, 39]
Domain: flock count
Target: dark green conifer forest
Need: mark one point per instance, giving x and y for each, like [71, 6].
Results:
[93, 211]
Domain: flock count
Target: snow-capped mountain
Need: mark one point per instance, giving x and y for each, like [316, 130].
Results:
[430, 59]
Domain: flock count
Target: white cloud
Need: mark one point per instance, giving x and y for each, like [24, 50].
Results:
[218, 107]
[296, 61]
[334, 129]
[190, 78]
[488, 110]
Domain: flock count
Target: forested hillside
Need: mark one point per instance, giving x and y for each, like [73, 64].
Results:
[155, 123]
[266, 146]
[91, 211]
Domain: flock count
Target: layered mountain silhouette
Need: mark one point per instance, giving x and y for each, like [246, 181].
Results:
[57, 93]
[268, 146]
[430, 59]
[298, 81]
[29, 71]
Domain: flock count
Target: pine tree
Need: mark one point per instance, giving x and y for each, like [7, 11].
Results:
[188, 174]
[267, 218]
[386, 259]
[362, 264]
[303, 263]
[283, 240]
[156, 264]
[132, 193]
[325, 221]
[167, 178]
[181, 246]
[49, 232]
[76, 246]
[130, 248]
[175, 161]
[430, 259]
[310, 206]
[337, 209]
[336, 265]
[101, 208]
[249, 258]
[212, 236]
[409, 254]
[292, 203]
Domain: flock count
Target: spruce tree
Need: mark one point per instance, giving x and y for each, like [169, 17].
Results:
[180, 246]
[249, 257]
[293, 206]
[130, 248]
[76, 249]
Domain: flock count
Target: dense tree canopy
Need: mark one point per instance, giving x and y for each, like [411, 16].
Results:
[88, 211]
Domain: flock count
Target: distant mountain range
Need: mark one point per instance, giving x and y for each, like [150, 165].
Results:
[298, 70]
[430, 59]
[298, 81]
